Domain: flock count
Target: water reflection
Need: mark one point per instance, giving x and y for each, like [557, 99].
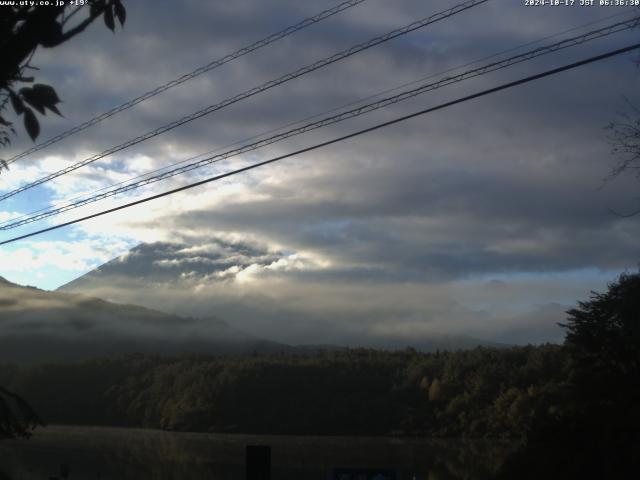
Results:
[122, 454]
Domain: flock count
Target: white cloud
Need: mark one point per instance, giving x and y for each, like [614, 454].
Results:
[78, 256]
[4, 216]
[382, 230]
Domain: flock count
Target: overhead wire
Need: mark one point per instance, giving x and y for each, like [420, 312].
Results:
[188, 76]
[255, 90]
[378, 126]
[316, 115]
[491, 67]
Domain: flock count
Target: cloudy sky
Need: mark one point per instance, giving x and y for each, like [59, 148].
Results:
[487, 219]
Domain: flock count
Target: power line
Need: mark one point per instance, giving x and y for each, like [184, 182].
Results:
[188, 76]
[254, 91]
[334, 119]
[316, 115]
[339, 139]
[526, 56]
[4, 225]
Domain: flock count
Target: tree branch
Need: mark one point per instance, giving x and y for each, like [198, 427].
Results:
[79, 28]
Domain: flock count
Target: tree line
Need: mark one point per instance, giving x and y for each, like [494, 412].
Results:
[480, 392]
[583, 397]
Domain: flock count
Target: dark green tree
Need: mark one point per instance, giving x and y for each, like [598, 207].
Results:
[603, 340]
[595, 431]
[605, 331]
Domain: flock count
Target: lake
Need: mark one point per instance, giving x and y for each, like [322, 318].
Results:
[124, 454]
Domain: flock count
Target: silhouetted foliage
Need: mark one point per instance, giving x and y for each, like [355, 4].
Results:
[603, 334]
[597, 434]
[624, 137]
[23, 28]
[17, 418]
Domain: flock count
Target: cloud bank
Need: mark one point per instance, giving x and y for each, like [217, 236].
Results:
[487, 219]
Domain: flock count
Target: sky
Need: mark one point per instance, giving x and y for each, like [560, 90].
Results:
[487, 219]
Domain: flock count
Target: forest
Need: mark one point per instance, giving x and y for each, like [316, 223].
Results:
[581, 396]
[480, 392]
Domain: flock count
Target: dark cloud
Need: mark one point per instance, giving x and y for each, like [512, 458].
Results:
[293, 299]
[351, 241]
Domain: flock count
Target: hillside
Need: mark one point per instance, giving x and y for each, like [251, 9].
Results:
[196, 280]
[37, 325]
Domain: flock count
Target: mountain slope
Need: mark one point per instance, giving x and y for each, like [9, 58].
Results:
[37, 325]
[196, 279]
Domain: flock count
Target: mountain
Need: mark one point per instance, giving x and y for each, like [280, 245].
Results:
[261, 291]
[37, 325]
[165, 263]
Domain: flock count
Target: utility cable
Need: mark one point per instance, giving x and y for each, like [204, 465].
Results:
[320, 114]
[338, 139]
[254, 91]
[188, 76]
[526, 56]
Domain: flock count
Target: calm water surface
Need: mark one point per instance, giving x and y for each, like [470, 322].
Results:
[127, 454]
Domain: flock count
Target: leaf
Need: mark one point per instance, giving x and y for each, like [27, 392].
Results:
[108, 18]
[47, 97]
[32, 99]
[3, 165]
[41, 96]
[16, 102]
[121, 13]
[47, 93]
[55, 110]
[31, 124]
[94, 9]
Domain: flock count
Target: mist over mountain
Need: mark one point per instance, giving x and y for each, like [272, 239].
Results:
[184, 291]
[37, 325]
[284, 296]
[42, 326]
